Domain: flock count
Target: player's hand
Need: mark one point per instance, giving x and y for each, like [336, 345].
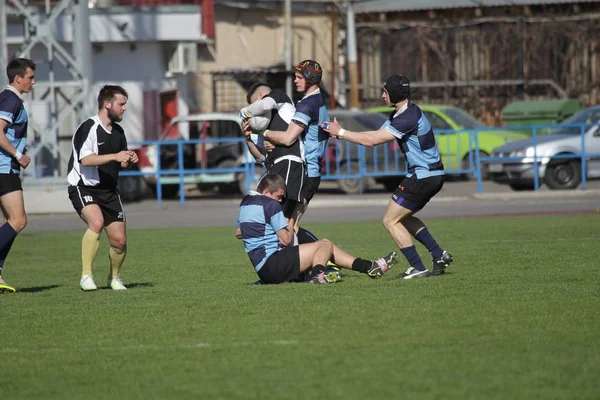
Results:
[246, 126]
[25, 160]
[332, 127]
[133, 157]
[247, 136]
[269, 147]
[122, 156]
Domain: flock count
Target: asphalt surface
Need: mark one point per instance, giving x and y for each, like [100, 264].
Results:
[457, 200]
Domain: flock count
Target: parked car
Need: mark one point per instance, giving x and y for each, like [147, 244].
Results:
[449, 124]
[383, 164]
[199, 156]
[557, 173]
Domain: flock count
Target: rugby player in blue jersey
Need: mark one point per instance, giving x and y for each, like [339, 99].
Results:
[306, 127]
[411, 129]
[13, 138]
[267, 237]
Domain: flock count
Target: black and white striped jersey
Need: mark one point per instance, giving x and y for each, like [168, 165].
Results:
[92, 138]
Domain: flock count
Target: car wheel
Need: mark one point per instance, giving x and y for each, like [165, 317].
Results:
[168, 191]
[565, 175]
[390, 184]
[352, 185]
[241, 179]
[485, 171]
[130, 188]
[519, 187]
[228, 187]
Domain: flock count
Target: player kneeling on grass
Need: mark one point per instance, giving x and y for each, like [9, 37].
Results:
[268, 236]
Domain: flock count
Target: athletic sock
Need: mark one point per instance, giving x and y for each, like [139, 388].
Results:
[89, 248]
[413, 258]
[7, 237]
[361, 265]
[305, 236]
[116, 257]
[424, 236]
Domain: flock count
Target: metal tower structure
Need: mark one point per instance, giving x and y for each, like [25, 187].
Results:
[64, 98]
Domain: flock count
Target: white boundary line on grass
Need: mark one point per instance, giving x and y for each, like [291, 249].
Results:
[201, 345]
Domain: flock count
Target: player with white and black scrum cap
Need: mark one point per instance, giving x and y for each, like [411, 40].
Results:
[99, 152]
[285, 161]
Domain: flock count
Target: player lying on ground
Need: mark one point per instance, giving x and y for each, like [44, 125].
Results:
[267, 237]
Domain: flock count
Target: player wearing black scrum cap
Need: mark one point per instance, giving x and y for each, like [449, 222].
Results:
[409, 126]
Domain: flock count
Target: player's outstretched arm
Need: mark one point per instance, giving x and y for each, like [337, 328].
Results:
[365, 138]
[286, 138]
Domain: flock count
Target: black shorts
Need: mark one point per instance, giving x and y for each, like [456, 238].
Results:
[282, 266]
[310, 188]
[414, 193]
[294, 175]
[108, 200]
[10, 183]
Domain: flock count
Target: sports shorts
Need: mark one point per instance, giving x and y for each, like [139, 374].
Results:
[294, 174]
[413, 193]
[108, 200]
[310, 188]
[281, 266]
[10, 183]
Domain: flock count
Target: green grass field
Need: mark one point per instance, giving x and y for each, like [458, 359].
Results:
[515, 317]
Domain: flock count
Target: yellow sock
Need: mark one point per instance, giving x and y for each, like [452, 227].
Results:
[89, 247]
[116, 257]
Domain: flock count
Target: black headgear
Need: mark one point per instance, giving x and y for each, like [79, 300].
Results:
[311, 70]
[398, 87]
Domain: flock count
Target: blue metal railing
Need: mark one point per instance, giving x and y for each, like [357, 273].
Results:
[345, 160]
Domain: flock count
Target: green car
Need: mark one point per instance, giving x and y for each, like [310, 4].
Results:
[454, 146]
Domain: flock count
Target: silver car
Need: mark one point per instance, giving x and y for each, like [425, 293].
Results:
[557, 155]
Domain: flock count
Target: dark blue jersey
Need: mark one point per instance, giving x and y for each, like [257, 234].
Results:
[13, 111]
[416, 140]
[310, 113]
[259, 219]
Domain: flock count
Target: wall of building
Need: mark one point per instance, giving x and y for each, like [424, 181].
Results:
[254, 38]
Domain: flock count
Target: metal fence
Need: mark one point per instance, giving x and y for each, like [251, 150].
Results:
[579, 148]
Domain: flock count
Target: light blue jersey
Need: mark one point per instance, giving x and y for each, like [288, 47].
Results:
[259, 219]
[415, 137]
[310, 113]
[13, 111]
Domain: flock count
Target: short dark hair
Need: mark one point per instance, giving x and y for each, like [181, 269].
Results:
[273, 182]
[253, 89]
[18, 67]
[108, 93]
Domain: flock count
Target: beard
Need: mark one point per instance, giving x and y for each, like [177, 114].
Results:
[114, 117]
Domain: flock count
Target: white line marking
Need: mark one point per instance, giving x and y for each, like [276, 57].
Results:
[153, 347]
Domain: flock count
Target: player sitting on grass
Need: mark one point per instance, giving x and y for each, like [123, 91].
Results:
[267, 237]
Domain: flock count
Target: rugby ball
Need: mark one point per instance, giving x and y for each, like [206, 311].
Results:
[259, 123]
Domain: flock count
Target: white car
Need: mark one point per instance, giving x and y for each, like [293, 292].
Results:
[213, 127]
[558, 155]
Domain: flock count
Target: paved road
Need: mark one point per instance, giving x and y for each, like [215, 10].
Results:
[457, 199]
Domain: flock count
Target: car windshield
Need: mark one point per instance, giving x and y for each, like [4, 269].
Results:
[589, 116]
[359, 122]
[465, 120]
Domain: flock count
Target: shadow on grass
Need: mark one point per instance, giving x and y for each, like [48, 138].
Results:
[131, 285]
[37, 289]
